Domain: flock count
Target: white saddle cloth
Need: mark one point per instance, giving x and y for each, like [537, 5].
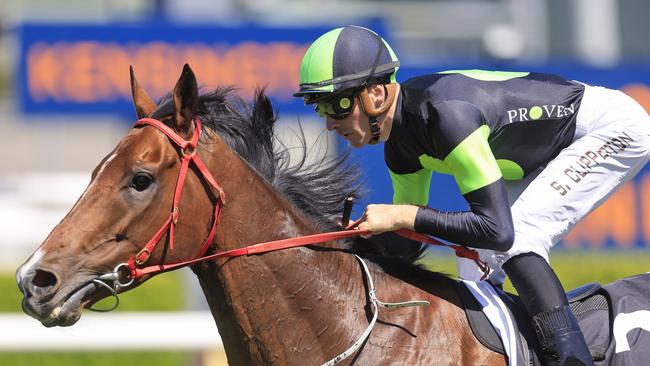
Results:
[498, 314]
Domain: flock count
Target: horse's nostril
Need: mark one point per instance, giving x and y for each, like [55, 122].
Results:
[44, 279]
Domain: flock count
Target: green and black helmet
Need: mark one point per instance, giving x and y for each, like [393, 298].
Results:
[343, 59]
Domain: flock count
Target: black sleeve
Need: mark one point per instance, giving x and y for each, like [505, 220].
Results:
[488, 224]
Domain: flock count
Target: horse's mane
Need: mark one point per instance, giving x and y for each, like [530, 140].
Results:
[317, 189]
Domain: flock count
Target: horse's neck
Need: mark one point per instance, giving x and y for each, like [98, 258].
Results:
[285, 307]
[301, 305]
[272, 308]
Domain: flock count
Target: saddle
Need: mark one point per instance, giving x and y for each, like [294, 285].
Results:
[586, 301]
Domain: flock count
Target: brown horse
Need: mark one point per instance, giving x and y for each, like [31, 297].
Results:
[300, 306]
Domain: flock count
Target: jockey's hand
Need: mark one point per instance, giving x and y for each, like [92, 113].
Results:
[382, 218]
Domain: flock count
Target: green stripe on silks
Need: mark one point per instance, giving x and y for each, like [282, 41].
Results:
[317, 64]
[510, 169]
[412, 189]
[393, 56]
[485, 75]
[473, 163]
[434, 164]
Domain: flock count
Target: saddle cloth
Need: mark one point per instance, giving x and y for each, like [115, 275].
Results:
[614, 318]
[490, 306]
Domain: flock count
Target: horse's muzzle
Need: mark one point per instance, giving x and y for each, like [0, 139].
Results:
[43, 301]
[38, 288]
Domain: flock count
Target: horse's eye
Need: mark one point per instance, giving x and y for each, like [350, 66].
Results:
[141, 181]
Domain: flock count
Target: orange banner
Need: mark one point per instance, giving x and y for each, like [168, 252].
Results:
[86, 72]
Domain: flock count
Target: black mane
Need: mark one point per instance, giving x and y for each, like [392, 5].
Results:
[318, 190]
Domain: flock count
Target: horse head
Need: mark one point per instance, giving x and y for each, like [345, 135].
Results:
[129, 195]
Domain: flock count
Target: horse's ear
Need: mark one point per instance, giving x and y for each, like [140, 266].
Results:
[186, 99]
[143, 103]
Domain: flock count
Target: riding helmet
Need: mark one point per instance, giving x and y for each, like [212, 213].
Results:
[344, 58]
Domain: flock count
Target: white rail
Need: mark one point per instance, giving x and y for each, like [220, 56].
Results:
[116, 331]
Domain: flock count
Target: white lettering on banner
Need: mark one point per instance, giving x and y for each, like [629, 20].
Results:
[624, 323]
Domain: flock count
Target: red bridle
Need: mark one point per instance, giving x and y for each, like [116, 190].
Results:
[188, 154]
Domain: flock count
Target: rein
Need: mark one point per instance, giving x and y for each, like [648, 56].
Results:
[125, 274]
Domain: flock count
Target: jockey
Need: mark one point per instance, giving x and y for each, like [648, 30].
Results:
[532, 154]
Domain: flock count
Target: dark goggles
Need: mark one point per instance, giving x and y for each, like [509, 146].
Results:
[336, 106]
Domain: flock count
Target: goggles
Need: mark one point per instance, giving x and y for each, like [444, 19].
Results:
[336, 106]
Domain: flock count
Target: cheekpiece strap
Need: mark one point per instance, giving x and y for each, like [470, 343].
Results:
[374, 128]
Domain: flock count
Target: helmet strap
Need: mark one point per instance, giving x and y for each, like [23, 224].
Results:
[374, 112]
[374, 128]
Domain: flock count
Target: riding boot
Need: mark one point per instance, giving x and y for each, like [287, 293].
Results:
[561, 338]
[546, 303]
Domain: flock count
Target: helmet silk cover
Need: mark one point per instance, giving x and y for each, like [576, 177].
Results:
[343, 58]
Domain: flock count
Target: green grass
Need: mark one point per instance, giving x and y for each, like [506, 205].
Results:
[161, 293]
[4, 82]
[574, 268]
[95, 359]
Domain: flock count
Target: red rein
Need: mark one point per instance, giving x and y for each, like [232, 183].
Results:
[188, 154]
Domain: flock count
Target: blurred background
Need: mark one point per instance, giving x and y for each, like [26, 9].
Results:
[65, 103]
